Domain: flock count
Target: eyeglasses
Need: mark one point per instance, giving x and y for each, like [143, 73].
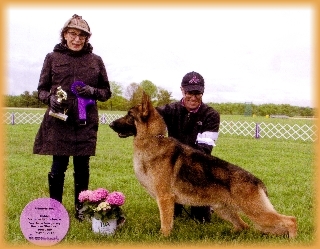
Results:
[196, 94]
[81, 36]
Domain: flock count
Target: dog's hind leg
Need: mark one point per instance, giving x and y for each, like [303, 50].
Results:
[266, 219]
[166, 209]
[228, 213]
[275, 223]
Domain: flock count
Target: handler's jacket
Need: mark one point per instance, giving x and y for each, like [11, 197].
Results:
[63, 67]
[188, 127]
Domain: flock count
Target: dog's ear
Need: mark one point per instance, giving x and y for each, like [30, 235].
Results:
[145, 104]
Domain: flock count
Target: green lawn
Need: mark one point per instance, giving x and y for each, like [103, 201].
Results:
[287, 167]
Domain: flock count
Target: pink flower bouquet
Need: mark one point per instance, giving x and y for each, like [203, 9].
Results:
[101, 204]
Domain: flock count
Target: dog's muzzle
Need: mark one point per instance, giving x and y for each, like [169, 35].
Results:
[114, 127]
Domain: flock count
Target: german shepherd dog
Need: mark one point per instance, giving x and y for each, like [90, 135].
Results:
[176, 173]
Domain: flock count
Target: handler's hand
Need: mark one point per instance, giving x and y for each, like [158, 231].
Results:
[55, 106]
[86, 91]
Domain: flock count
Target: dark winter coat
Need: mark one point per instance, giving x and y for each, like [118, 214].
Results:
[62, 67]
[185, 126]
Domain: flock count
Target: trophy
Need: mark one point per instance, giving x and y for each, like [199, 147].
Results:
[61, 95]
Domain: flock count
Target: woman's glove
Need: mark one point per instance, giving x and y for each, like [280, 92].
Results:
[86, 91]
[55, 106]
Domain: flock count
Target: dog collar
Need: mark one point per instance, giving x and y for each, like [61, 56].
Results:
[159, 136]
[156, 136]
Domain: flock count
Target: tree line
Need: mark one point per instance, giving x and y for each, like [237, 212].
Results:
[123, 99]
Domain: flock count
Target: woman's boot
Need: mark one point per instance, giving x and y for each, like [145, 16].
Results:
[81, 183]
[56, 182]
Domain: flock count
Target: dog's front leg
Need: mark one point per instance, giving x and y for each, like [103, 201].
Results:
[166, 209]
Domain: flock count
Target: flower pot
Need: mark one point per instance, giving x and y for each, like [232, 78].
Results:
[108, 227]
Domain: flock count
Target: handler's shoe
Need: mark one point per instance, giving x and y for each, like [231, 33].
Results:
[202, 214]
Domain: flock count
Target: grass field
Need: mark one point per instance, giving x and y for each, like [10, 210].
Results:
[287, 168]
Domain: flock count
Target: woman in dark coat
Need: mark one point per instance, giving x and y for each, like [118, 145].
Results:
[71, 61]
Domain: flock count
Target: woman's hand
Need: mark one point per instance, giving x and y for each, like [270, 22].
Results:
[86, 91]
[55, 105]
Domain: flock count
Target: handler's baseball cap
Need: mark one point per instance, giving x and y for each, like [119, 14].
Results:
[193, 81]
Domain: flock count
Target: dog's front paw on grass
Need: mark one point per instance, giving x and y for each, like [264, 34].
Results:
[165, 232]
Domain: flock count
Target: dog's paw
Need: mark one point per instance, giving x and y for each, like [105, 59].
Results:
[165, 232]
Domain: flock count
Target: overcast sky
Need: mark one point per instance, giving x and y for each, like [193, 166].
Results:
[245, 54]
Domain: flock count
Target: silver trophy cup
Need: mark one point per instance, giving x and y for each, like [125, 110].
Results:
[61, 95]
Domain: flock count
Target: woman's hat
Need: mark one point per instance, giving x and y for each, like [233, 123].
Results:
[78, 23]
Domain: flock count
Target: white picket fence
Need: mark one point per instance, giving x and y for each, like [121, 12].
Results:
[36, 118]
[260, 130]
[240, 128]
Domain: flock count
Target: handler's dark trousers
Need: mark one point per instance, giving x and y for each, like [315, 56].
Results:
[202, 214]
[57, 174]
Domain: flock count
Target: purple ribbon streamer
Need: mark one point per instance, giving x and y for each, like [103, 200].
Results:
[82, 102]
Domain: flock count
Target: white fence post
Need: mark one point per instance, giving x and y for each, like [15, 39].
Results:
[103, 119]
[257, 131]
[12, 118]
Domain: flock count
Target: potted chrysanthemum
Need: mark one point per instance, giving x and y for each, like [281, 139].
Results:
[103, 209]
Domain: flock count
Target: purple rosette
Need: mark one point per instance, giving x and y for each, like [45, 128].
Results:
[82, 102]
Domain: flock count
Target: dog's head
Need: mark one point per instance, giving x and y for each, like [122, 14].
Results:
[126, 126]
